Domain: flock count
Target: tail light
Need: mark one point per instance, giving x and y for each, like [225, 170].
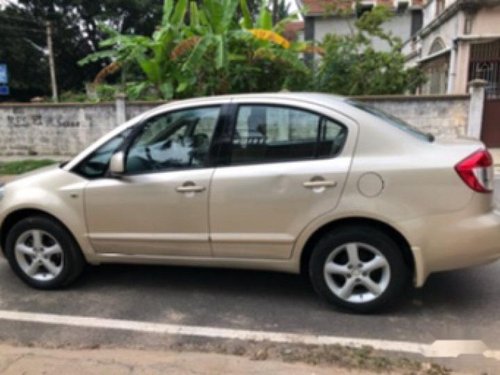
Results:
[477, 171]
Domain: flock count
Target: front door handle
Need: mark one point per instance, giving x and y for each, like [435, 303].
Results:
[319, 184]
[190, 188]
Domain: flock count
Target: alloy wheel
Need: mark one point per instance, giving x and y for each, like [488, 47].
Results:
[39, 255]
[357, 272]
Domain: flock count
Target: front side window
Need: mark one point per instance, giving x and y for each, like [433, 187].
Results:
[175, 140]
[266, 134]
[96, 165]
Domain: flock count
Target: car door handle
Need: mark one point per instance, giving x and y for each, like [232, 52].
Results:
[190, 189]
[319, 184]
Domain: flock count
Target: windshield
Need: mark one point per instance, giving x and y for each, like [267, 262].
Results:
[392, 120]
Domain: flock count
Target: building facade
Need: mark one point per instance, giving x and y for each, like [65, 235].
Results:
[322, 17]
[459, 43]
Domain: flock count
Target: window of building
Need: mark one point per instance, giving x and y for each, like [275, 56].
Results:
[440, 5]
[436, 46]
[437, 75]
[362, 9]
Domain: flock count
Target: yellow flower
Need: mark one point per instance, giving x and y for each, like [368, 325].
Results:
[270, 36]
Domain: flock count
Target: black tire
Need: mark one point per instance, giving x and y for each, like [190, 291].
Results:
[72, 260]
[399, 273]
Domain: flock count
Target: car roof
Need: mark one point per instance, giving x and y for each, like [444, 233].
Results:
[311, 97]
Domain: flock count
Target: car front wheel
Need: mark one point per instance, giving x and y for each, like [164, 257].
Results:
[358, 268]
[43, 253]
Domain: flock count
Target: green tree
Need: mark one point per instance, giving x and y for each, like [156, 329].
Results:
[283, 11]
[205, 51]
[75, 35]
[352, 66]
[152, 54]
[22, 44]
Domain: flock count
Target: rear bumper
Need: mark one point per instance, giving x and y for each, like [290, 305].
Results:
[457, 242]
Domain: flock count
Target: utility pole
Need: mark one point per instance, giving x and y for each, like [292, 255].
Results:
[53, 81]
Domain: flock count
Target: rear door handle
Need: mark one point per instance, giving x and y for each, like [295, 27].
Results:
[190, 189]
[319, 184]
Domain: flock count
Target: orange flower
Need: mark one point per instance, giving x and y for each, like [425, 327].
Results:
[270, 36]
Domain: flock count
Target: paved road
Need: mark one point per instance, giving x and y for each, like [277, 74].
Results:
[454, 305]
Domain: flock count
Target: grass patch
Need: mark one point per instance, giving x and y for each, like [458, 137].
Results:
[23, 166]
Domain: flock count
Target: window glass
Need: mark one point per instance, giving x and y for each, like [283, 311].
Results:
[96, 165]
[392, 120]
[331, 139]
[176, 140]
[266, 134]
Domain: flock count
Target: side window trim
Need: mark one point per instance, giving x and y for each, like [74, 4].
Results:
[222, 131]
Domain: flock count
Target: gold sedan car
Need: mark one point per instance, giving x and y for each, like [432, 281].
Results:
[356, 199]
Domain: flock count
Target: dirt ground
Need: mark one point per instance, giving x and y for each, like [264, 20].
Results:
[204, 357]
[31, 360]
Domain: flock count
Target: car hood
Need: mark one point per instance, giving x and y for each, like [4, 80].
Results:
[36, 172]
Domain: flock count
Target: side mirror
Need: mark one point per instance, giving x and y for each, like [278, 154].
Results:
[117, 164]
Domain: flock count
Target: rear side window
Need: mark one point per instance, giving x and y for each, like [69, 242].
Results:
[393, 120]
[267, 134]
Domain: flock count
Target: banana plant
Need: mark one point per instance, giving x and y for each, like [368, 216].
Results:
[264, 29]
[151, 54]
[215, 26]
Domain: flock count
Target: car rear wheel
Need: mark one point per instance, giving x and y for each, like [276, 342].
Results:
[358, 268]
[43, 254]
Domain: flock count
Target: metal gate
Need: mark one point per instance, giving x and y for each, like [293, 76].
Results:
[485, 64]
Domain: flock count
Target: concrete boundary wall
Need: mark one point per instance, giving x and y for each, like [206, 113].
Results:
[445, 116]
[67, 128]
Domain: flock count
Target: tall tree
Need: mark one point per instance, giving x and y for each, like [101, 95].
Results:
[75, 35]
[22, 43]
[351, 65]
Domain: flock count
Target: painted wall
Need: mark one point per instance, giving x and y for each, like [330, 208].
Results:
[44, 129]
[443, 116]
[51, 129]
[430, 10]
[486, 21]
[399, 25]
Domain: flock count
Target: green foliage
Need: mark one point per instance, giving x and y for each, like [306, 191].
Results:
[352, 66]
[23, 166]
[106, 93]
[216, 27]
[75, 35]
[73, 97]
[200, 48]
[151, 54]
[205, 53]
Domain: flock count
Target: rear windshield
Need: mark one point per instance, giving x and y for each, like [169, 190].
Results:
[392, 120]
